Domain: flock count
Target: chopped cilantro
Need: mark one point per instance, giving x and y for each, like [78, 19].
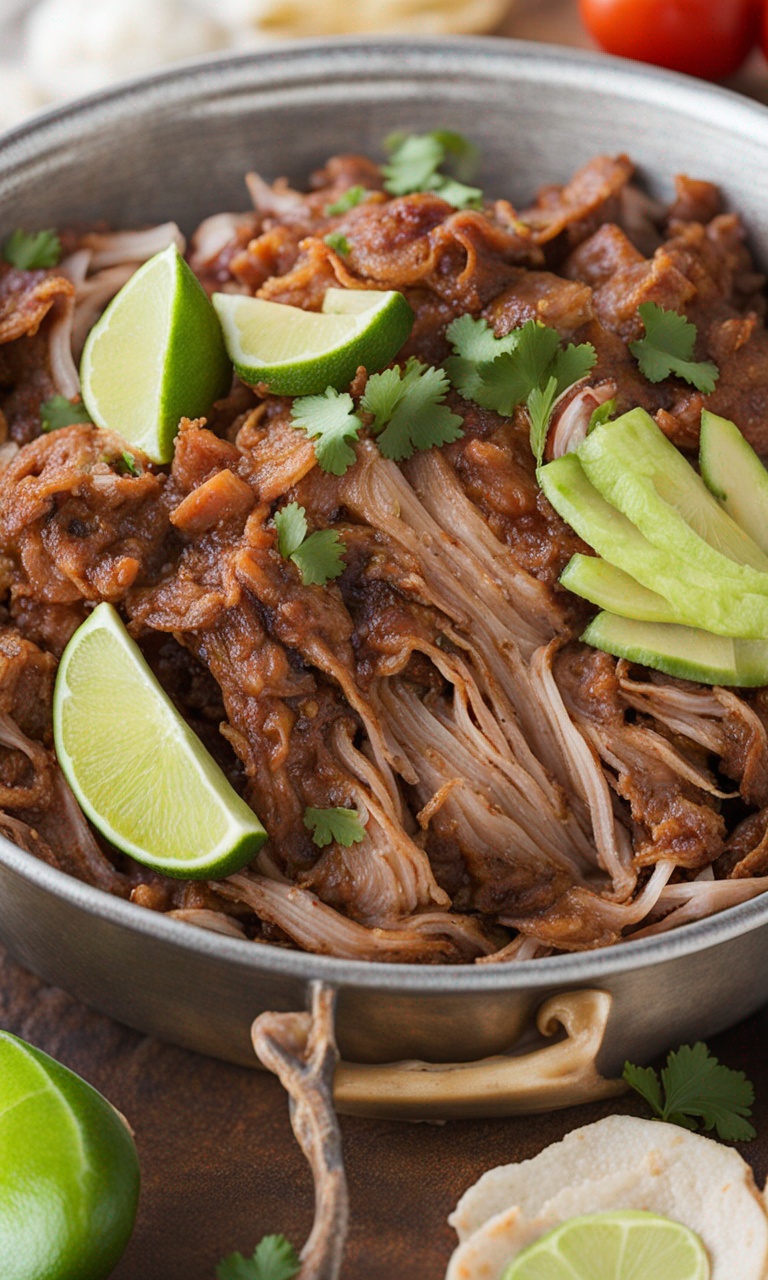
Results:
[351, 197]
[668, 347]
[342, 825]
[29, 251]
[338, 242]
[695, 1086]
[60, 412]
[533, 370]
[415, 159]
[126, 464]
[603, 413]
[317, 557]
[408, 410]
[330, 420]
[274, 1258]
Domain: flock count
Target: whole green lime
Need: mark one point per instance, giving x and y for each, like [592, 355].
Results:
[69, 1173]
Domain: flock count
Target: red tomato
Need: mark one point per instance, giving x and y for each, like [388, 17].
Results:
[708, 38]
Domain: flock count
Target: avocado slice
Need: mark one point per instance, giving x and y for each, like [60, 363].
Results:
[633, 465]
[733, 472]
[685, 652]
[601, 583]
[699, 599]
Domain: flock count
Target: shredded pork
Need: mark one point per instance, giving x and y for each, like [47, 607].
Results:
[521, 793]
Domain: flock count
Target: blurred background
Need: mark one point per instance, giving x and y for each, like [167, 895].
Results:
[51, 50]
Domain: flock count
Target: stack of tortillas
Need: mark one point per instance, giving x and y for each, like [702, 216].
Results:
[621, 1162]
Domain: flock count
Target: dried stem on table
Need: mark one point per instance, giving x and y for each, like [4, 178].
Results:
[300, 1048]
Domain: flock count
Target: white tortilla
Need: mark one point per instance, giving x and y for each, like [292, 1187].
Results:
[621, 1162]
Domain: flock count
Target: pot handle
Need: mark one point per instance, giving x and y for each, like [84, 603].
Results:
[545, 1079]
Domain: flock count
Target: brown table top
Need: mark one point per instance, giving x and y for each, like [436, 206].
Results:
[220, 1167]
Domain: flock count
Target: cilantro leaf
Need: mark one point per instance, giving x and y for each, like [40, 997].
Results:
[415, 159]
[645, 1081]
[697, 1087]
[459, 194]
[475, 344]
[668, 348]
[28, 251]
[413, 163]
[320, 557]
[532, 369]
[330, 420]
[346, 201]
[60, 412]
[509, 379]
[696, 1084]
[126, 464]
[291, 525]
[539, 405]
[338, 242]
[602, 414]
[408, 410]
[342, 825]
[274, 1258]
[571, 364]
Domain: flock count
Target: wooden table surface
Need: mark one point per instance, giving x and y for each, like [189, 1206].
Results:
[219, 1164]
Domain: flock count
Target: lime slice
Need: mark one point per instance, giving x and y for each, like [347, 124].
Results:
[298, 353]
[155, 356]
[69, 1174]
[139, 772]
[624, 1245]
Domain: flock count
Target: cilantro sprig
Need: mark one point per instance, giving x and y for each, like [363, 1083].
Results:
[337, 241]
[668, 348]
[319, 556]
[330, 420]
[274, 1258]
[348, 200]
[528, 366]
[415, 160]
[29, 251]
[342, 825]
[60, 412]
[407, 409]
[695, 1087]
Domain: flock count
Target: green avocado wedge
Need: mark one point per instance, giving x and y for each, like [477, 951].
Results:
[700, 600]
[69, 1173]
[685, 652]
[601, 583]
[733, 472]
[641, 473]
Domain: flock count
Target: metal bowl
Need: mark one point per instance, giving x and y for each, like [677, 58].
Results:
[176, 145]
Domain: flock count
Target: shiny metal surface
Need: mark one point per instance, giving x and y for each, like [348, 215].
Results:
[176, 145]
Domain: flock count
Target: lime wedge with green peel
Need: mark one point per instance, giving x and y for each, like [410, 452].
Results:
[299, 353]
[624, 1245]
[139, 772]
[69, 1174]
[155, 356]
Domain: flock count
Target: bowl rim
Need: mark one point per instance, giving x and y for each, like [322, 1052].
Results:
[310, 60]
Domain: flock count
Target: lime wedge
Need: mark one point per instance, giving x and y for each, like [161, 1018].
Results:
[69, 1174]
[624, 1245]
[155, 356]
[299, 353]
[139, 772]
